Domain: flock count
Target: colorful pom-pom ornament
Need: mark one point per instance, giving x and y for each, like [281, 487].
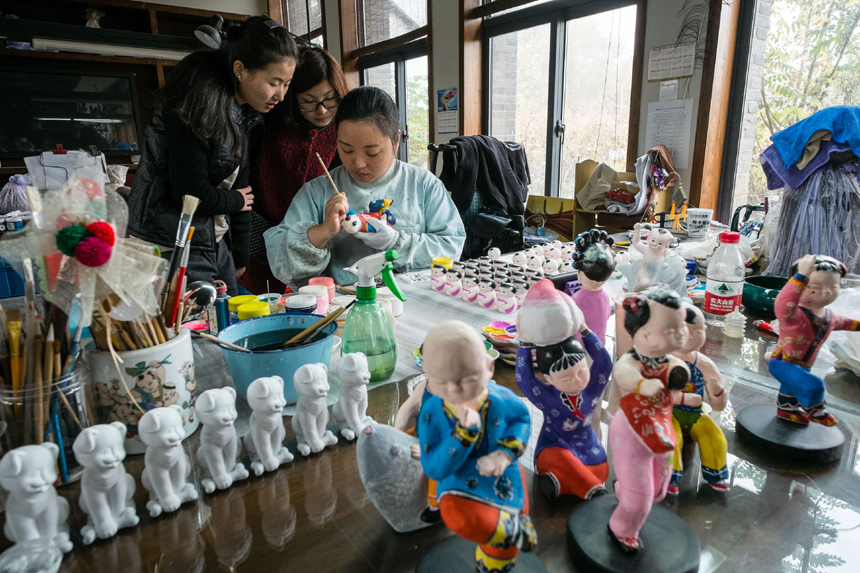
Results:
[103, 231]
[93, 252]
[69, 237]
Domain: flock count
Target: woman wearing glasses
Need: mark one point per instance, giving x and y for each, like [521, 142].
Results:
[310, 241]
[299, 129]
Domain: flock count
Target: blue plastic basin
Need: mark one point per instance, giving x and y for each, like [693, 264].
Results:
[245, 367]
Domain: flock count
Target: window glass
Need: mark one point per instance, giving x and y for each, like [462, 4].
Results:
[418, 111]
[380, 20]
[383, 78]
[519, 86]
[598, 74]
[296, 16]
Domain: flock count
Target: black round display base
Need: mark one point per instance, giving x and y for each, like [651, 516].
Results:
[759, 427]
[669, 545]
[457, 555]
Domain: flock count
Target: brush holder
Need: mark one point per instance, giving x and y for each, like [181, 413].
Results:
[157, 376]
[33, 415]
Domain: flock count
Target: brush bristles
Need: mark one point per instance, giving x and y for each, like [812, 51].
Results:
[189, 204]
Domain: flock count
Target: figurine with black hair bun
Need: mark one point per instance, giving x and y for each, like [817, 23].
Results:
[804, 325]
[568, 455]
[595, 261]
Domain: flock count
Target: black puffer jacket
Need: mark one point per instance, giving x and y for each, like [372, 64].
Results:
[175, 162]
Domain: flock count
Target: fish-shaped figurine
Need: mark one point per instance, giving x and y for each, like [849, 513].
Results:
[394, 480]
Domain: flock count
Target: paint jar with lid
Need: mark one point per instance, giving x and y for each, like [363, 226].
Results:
[253, 309]
[298, 303]
[328, 283]
[320, 292]
[234, 302]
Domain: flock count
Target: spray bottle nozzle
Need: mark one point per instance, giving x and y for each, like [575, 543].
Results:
[391, 256]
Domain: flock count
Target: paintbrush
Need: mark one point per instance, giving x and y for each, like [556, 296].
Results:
[175, 296]
[189, 206]
[327, 174]
[39, 404]
[13, 323]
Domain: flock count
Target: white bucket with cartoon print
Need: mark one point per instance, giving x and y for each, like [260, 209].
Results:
[158, 376]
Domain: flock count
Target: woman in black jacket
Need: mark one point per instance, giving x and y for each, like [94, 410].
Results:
[207, 118]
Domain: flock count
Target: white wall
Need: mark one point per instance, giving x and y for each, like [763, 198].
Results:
[251, 7]
[446, 54]
[662, 27]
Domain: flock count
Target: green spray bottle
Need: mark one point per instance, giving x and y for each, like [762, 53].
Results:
[368, 328]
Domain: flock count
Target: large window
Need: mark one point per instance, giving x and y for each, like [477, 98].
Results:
[558, 80]
[381, 20]
[402, 73]
[296, 14]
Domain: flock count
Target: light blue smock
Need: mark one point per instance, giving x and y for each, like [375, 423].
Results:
[427, 220]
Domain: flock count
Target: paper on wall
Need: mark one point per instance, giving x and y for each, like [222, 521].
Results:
[669, 124]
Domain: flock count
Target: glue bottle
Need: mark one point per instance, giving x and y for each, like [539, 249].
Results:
[368, 329]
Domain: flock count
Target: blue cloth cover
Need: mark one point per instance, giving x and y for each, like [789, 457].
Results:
[843, 121]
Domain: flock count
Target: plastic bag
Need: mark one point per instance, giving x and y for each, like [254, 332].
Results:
[771, 225]
[13, 197]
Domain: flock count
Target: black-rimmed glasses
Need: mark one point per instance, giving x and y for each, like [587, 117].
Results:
[312, 106]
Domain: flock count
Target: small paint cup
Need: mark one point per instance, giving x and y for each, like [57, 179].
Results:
[327, 282]
[698, 221]
[444, 261]
[320, 292]
[271, 299]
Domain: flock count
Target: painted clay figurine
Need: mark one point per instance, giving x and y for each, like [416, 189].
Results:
[550, 267]
[520, 259]
[494, 253]
[166, 465]
[641, 435]
[33, 508]
[219, 449]
[538, 251]
[309, 423]
[658, 265]
[453, 286]
[522, 290]
[595, 261]
[437, 277]
[506, 300]
[535, 263]
[107, 491]
[486, 293]
[471, 433]
[688, 418]
[350, 410]
[568, 455]
[378, 211]
[554, 253]
[804, 325]
[469, 292]
[265, 439]
[547, 315]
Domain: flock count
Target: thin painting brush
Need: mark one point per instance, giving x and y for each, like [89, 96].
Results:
[176, 285]
[189, 206]
[327, 174]
[13, 323]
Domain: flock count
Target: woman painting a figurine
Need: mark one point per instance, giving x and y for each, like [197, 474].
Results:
[311, 242]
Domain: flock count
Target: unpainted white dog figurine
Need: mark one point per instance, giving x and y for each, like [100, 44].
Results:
[166, 465]
[265, 439]
[107, 490]
[219, 449]
[33, 508]
[350, 410]
[309, 423]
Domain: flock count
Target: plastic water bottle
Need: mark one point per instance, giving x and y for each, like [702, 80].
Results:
[725, 286]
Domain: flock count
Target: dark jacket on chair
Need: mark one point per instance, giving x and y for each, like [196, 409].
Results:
[497, 169]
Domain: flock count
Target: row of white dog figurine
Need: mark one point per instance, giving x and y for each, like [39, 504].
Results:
[34, 510]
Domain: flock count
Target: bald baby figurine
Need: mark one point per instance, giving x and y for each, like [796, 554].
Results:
[471, 433]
